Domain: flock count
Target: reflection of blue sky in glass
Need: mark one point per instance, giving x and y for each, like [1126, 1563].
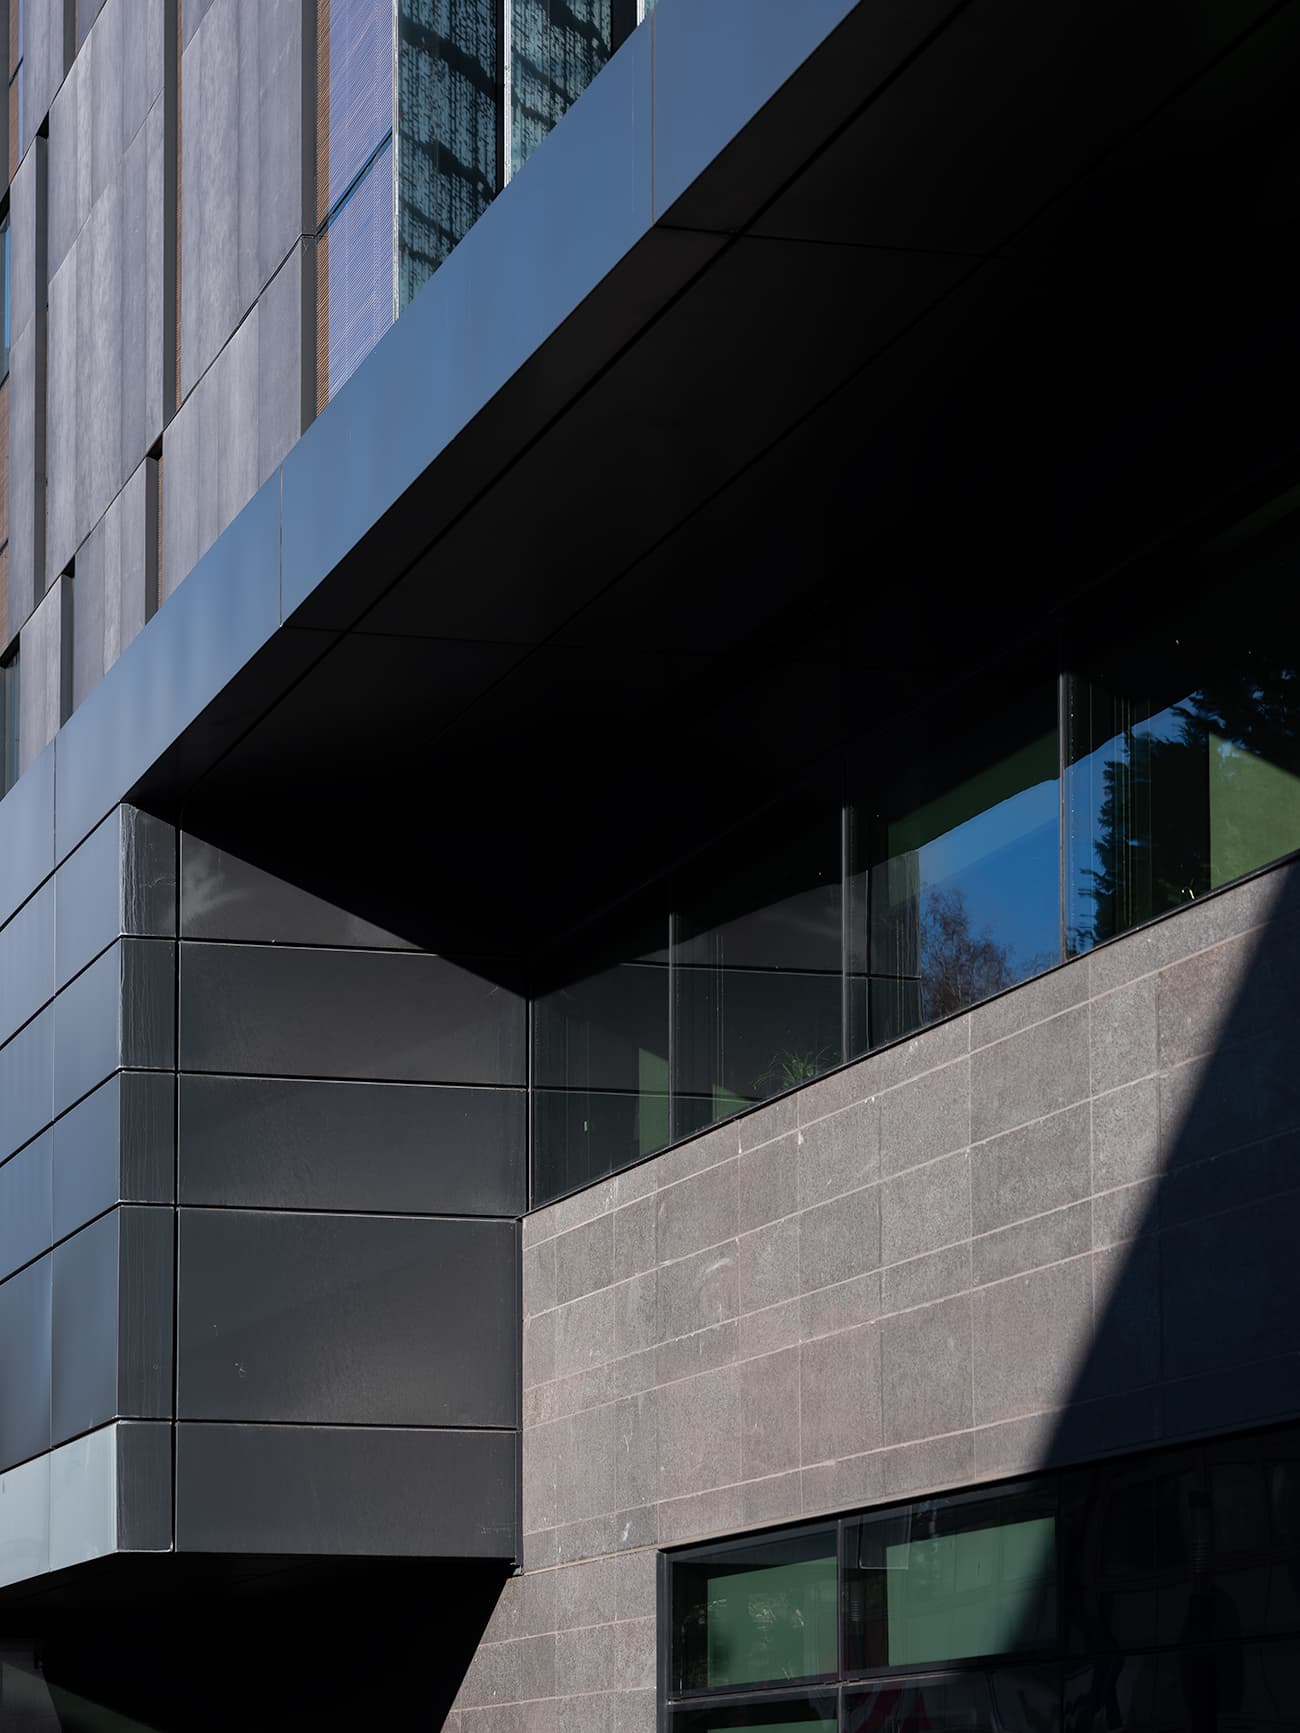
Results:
[1004, 865]
[1085, 796]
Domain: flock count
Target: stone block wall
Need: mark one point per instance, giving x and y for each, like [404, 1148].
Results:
[1051, 1228]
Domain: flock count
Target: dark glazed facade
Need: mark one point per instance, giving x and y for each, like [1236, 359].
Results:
[651, 780]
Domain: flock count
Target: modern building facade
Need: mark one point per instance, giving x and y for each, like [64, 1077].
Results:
[648, 903]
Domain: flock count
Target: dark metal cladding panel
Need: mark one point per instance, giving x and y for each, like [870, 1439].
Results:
[122, 879]
[26, 1215]
[118, 1145]
[121, 1011]
[27, 1082]
[83, 1390]
[27, 961]
[391, 1016]
[223, 897]
[409, 1148]
[364, 1320]
[367, 1491]
[144, 1486]
[27, 833]
[25, 1363]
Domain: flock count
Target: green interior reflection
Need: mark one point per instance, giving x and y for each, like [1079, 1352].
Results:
[974, 1593]
[761, 1614]
[777, 1623]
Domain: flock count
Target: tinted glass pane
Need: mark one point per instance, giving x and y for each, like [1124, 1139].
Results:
[447, 126]
[1183, 764]
[940, 1580]
[780, 1715]
[556, 48]
[993, 1702]
[355, 83]
[755, 1614]
[354, 276]
[955, 895]
[600, 1070]
[1131, 1532]
[1211, 1688]
[757, 973]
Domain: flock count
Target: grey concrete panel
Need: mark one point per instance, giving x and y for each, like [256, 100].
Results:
[26, 244]
[144, 1486]
[280, 351]
[223, 897]
[100, 471]
[346, 1319]
[69, 186]
[925, 1370]
[89, 604]
[210, 69]
[232, 391]
[87, 12]
[106, 50]
[142, 60]
[409, 1148]
[26, 1213]
[25, 1363]
[1036, 1168]
[368, 1491]
[270, 141]
[62, 411]
[142, 292]
[23, 481]
[118, 1012]
[385, 1016]
[44, 61]
[1031, 1074]
[46, 672]
[26, 961]
[192, 15]
[84, 1354]
[118, 1145]
[27, 1082]
[131, 559]
[26, 834]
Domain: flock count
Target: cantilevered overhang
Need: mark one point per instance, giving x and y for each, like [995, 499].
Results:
[790, 291]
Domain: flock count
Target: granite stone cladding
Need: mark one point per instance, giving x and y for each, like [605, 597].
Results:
[1028, 1234]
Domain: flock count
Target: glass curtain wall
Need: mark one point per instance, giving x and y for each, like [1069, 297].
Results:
[556, 48]
[1183, 762]
[1153, 1593]
[448, 110]
[410, 139]
[961, 849]
[354, 185]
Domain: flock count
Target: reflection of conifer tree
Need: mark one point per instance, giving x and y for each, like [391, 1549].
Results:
[1152, 842]
[958, 965]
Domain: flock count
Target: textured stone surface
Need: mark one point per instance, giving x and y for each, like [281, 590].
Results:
[1029, 1234]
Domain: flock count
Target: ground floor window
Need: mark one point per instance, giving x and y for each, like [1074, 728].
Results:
[1150, 1594]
